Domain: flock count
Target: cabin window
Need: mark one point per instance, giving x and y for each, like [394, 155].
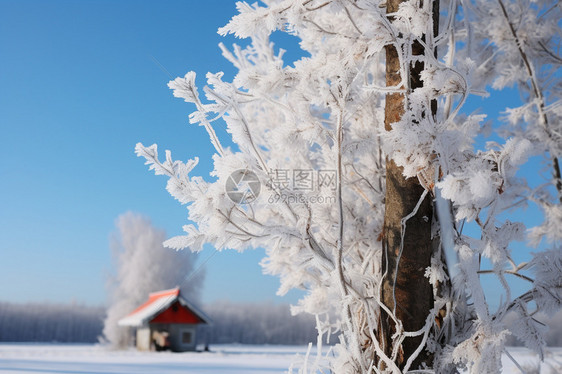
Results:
[186, 337]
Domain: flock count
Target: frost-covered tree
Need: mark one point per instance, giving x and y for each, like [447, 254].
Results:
[371, 117]
[142, 265]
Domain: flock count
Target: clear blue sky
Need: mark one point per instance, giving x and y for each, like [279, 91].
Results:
[79, 87]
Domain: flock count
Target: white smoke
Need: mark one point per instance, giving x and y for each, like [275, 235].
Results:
[143, 265]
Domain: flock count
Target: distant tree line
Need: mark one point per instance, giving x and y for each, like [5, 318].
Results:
[258, 324]
[46, 322]
[232, 323]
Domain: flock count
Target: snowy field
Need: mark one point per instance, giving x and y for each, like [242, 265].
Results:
[227, 359]
[93, 359]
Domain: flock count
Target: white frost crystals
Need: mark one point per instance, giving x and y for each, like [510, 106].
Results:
[325, 112]
[184, 88]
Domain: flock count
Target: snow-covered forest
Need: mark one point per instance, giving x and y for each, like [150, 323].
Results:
[48, 322]
[232, 323]
[246, 323]
[255, 323]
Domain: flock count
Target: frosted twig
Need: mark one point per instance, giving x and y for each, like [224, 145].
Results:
[514, 361]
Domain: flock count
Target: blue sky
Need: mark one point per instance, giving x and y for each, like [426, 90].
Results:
[81, 82]
[79, 87]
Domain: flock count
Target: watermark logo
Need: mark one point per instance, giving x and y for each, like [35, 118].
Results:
[243, 186]
[301, 180]
[289, 186]
[301, 186]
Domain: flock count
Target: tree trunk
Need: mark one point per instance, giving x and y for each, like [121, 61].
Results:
[405, 289]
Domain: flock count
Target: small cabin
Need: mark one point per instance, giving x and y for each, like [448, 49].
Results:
[166, 321]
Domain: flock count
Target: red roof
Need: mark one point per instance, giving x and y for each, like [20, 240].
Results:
[154, 296]
[166, 306]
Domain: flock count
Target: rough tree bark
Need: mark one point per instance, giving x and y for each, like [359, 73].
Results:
[406, 255]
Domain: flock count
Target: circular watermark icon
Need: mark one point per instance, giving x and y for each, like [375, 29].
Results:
[243, 186]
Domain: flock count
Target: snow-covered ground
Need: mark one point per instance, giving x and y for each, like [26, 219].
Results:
[227, 359]
[90, 359]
